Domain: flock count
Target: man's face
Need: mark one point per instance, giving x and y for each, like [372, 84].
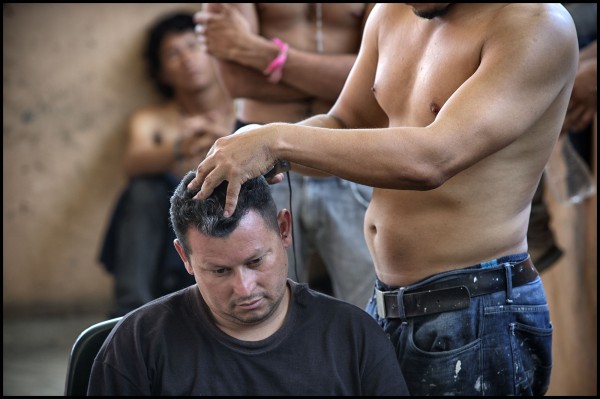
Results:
[429, 10]
[184, 66]
[242, 277]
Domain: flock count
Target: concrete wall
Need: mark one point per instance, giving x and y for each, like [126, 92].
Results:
[72, 75]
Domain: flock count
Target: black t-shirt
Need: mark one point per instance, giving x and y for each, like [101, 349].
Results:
[170, 346]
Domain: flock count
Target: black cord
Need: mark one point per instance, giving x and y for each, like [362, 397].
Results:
[293, 225]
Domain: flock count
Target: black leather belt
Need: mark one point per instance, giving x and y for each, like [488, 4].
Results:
[453, 292]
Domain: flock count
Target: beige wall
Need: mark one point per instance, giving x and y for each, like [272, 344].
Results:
[72, 75]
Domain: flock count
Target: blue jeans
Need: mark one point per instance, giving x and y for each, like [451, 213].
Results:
[490, 348]
[329, 215]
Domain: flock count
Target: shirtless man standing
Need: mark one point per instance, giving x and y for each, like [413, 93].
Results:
[451, 112]
[321, 43]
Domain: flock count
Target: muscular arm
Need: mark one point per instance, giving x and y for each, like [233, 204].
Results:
[519, 66]
[243, 54]
[243, 82]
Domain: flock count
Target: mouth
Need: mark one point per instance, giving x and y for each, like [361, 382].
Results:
[251, 304]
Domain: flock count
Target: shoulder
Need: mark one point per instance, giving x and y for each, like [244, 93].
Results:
[549, 21]
[391, 12]
[386, 18]
[538, 35]
[154, 112]
[386, 12]
[150, 117]
[159, 316]
[324, 306]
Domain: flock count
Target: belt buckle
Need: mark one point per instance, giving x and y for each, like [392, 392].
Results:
[379, 297]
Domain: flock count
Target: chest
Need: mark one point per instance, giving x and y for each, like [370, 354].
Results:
[320, 27]
[419, 69]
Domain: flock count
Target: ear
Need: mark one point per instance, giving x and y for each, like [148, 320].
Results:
[284, 219]
[181, 253]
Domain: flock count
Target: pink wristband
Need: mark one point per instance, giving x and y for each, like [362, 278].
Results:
[275, 69]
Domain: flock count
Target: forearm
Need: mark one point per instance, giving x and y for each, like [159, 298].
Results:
[159, 159]
[373, 157]
[321, 121]
[231, 34]
[242, 82]
[319, 75]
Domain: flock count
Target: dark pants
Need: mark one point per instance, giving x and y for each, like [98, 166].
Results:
[138, 248]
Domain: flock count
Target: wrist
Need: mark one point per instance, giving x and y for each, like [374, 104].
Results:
[274, 71]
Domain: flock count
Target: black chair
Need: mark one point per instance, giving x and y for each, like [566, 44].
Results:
[82, 356]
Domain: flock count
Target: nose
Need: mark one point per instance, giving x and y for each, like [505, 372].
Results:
[244, 282]
[187, 57]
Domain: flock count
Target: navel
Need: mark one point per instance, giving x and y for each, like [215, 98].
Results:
[373, 229]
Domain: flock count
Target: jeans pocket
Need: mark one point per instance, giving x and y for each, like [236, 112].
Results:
[453, 372]
[532, 356]
[447, 331]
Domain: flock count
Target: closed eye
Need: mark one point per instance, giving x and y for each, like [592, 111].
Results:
[255, 262]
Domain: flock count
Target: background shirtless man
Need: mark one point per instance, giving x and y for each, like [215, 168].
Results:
[451, 112]
[164, 141]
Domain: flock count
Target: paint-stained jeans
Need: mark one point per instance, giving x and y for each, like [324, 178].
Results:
[490, 348]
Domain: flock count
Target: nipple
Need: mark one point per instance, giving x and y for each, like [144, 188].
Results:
[434, 108]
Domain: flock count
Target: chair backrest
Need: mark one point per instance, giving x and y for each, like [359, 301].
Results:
[82, 356]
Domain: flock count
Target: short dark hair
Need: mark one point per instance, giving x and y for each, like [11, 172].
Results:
[176, 22]
[207, 215]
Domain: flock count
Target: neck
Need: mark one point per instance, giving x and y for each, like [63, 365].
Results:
[203, 100]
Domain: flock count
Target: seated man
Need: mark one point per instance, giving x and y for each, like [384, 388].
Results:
[165, 141]
[244, 328]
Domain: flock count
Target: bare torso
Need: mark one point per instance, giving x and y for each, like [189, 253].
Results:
[296, 24]
[482, 212]
[450, 119]
[154, 130]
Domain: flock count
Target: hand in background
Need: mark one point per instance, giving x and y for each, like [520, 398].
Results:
[222, 30]
[584, 98]
[198, 135]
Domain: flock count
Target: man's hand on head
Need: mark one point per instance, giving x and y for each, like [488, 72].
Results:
[235, 158]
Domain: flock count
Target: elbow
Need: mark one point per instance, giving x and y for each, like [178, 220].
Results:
[426, 177]
[434, 181]
[435, 169]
